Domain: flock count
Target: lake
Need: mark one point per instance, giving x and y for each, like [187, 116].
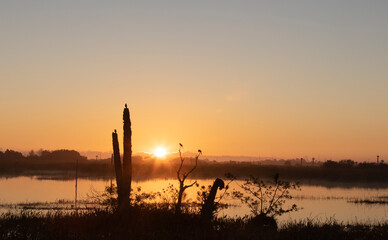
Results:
[318, 203]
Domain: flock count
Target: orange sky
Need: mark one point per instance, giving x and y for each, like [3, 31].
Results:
[286, 80]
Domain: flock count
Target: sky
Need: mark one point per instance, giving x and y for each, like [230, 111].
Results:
[284, 79]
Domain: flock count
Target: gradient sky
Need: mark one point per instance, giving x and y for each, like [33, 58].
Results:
[275, 78]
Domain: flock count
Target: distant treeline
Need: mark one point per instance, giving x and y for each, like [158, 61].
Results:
[48, 163]
[41, 156]
[328, 171]
[62, 164]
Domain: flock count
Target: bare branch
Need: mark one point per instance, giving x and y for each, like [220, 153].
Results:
[181, 164]
[274, 195]
[271, 207]
[190, 185]
[185, 175]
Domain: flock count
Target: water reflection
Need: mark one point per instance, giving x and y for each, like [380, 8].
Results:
[318, 202]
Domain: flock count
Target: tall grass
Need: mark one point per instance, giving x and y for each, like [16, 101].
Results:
[142, 222]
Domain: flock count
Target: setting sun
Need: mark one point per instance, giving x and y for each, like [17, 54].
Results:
[160, 152]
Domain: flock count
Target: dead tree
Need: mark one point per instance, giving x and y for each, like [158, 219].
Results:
[182, 177]
[123, 171]
[127, 155]
[118, 170]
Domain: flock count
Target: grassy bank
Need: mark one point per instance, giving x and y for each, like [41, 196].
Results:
[156, 223]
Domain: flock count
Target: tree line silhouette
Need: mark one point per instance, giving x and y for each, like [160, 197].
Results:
[62, 155]
[62, 164]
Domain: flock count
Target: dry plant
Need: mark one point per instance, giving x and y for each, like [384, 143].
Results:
[267, 199]
[182, 176]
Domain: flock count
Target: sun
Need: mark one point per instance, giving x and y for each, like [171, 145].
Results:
[160, 152]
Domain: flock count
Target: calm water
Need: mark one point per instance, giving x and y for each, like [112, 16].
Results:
[318, 202]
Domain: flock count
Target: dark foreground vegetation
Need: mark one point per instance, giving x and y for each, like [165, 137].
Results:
[156, 223]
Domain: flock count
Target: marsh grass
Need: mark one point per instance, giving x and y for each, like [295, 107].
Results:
[369, 201]
[150, 222]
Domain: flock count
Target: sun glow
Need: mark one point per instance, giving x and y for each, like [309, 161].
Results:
[160, 152]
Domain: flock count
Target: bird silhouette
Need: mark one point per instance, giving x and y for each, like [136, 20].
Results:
[180, 144]
[199, 150]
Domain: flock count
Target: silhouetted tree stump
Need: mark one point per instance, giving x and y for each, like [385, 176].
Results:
[209, 205]
[123, 170]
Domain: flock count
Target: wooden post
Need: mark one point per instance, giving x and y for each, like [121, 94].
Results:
[76, 184]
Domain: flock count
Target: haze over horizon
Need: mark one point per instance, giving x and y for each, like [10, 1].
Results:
[242, 78]
[92, 155]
